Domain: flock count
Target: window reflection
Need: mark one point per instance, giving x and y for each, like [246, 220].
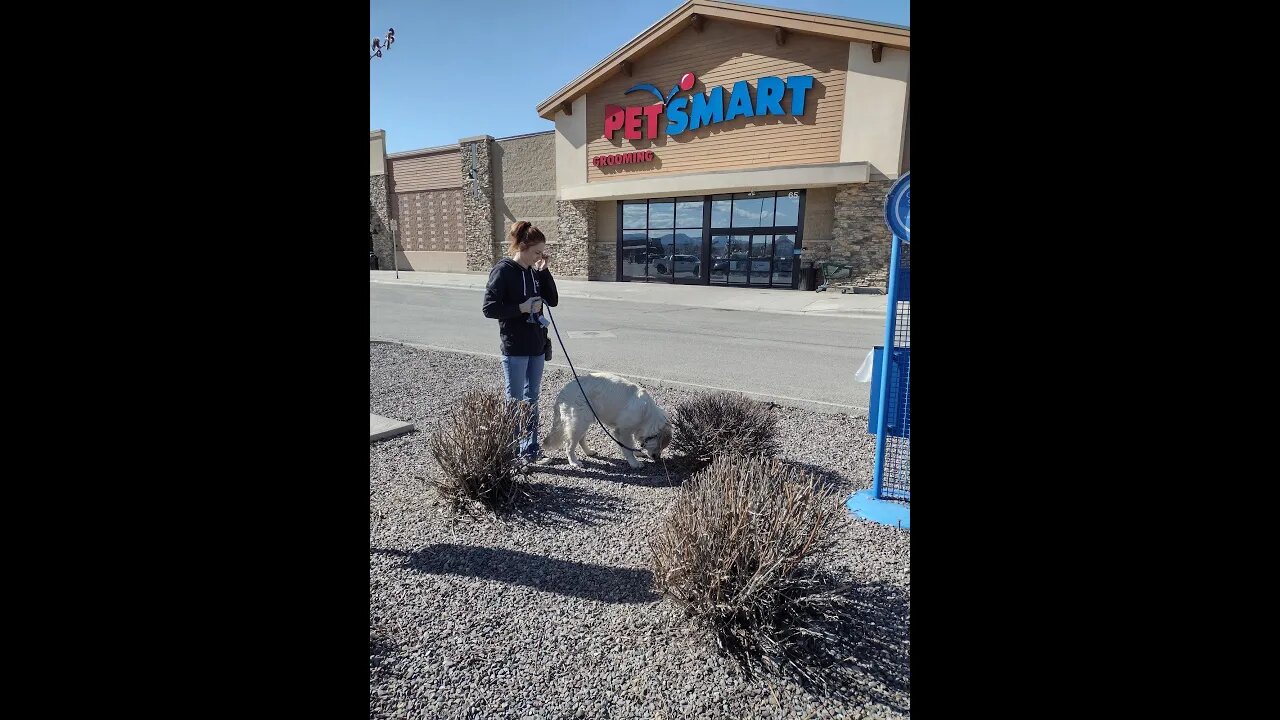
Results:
[662, 239]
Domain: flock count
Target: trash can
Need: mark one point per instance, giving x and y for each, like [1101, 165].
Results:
[373, 261]
[808, 277]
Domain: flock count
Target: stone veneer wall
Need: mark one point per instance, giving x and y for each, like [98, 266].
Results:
[380, 221]
[477, 202]
[859, 234]
[576, 231]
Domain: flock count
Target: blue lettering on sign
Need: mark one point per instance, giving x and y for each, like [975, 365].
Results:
[707, 111]
[739, 101]
[698, 110]
[677, 117]
[769, 92]
[798, 84]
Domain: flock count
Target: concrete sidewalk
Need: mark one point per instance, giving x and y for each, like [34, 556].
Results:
[789, 302]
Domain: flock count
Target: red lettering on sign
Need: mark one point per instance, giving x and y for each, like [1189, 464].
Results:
[626, 158]
[613, 116]
[631, 130]
[651, 113]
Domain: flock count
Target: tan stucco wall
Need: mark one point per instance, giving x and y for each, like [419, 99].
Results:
[429, 261]
[377, 153]
[607, 232]
[819, 216]
[875, 109]
[571, 145]
[524, 184]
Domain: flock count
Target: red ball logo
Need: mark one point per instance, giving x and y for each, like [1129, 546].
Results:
[686, 81]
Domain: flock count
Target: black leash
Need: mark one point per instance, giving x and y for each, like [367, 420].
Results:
[575, 378]
[584, 392]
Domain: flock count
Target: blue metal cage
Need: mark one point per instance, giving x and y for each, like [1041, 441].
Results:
[893, 440]
[898, 415]
[888, 500]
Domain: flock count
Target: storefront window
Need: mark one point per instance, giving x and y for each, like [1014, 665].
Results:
[633, 215]
[662, 239]
[753, 210]
[787, 210]
[750, 240]
[662, 213]
[721, 210]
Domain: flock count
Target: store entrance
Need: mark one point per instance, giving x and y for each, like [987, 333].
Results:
[745, 239]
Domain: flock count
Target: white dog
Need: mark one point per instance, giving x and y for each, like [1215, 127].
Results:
[626, 410]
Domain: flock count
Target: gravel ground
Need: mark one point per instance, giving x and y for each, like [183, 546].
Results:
[552, 613]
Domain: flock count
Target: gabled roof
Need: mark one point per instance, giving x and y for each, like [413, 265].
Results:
[833, 26]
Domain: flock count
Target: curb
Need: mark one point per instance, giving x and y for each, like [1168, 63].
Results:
[382, 428]
[816, 406]
[854, 314]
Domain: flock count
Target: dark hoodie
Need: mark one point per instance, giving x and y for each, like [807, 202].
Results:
[510, 285]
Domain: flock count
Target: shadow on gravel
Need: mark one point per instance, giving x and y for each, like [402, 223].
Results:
[828, 479]
[872, 662]
[550, 504]
[616, 470]
[565, 577]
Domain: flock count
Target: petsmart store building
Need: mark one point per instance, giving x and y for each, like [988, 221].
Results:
[727, 144]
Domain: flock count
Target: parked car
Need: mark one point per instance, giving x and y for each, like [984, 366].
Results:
[681, 264]
[739, 262]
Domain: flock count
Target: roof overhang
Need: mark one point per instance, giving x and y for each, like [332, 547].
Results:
[894, 36]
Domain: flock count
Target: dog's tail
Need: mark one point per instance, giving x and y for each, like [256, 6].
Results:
[555, 436]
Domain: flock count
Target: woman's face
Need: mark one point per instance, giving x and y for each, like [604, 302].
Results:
[533, 253]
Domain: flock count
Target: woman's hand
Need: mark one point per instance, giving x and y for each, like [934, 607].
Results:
[543, 262]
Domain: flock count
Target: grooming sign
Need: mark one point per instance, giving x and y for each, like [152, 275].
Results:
[771, 96]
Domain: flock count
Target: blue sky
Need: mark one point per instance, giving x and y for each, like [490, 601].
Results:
[479, 67]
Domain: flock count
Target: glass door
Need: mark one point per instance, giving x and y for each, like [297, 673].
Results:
[760, 266]
[745, 239]
[784, 258]
[719, 260]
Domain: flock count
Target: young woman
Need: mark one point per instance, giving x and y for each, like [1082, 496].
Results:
[517, 287]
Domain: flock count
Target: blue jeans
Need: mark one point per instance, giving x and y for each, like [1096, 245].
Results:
[523, 376]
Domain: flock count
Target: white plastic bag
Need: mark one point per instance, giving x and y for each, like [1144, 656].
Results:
[864, 372]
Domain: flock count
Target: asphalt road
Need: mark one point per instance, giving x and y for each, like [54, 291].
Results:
[796, 360]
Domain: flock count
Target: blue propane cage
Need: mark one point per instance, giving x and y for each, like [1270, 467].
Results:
[898, 413]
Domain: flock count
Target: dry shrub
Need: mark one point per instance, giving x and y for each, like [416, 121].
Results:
[722, 423]
[478, 453]
[737, 553]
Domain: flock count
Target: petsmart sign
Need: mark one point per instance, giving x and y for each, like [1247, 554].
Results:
[772, 96]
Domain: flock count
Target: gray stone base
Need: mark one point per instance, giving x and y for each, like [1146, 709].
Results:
[577, 227]
[380, 221]
[859, 234]
[477, 202]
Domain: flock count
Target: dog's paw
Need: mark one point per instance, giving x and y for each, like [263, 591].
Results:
[635, 464]
[590, 453]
